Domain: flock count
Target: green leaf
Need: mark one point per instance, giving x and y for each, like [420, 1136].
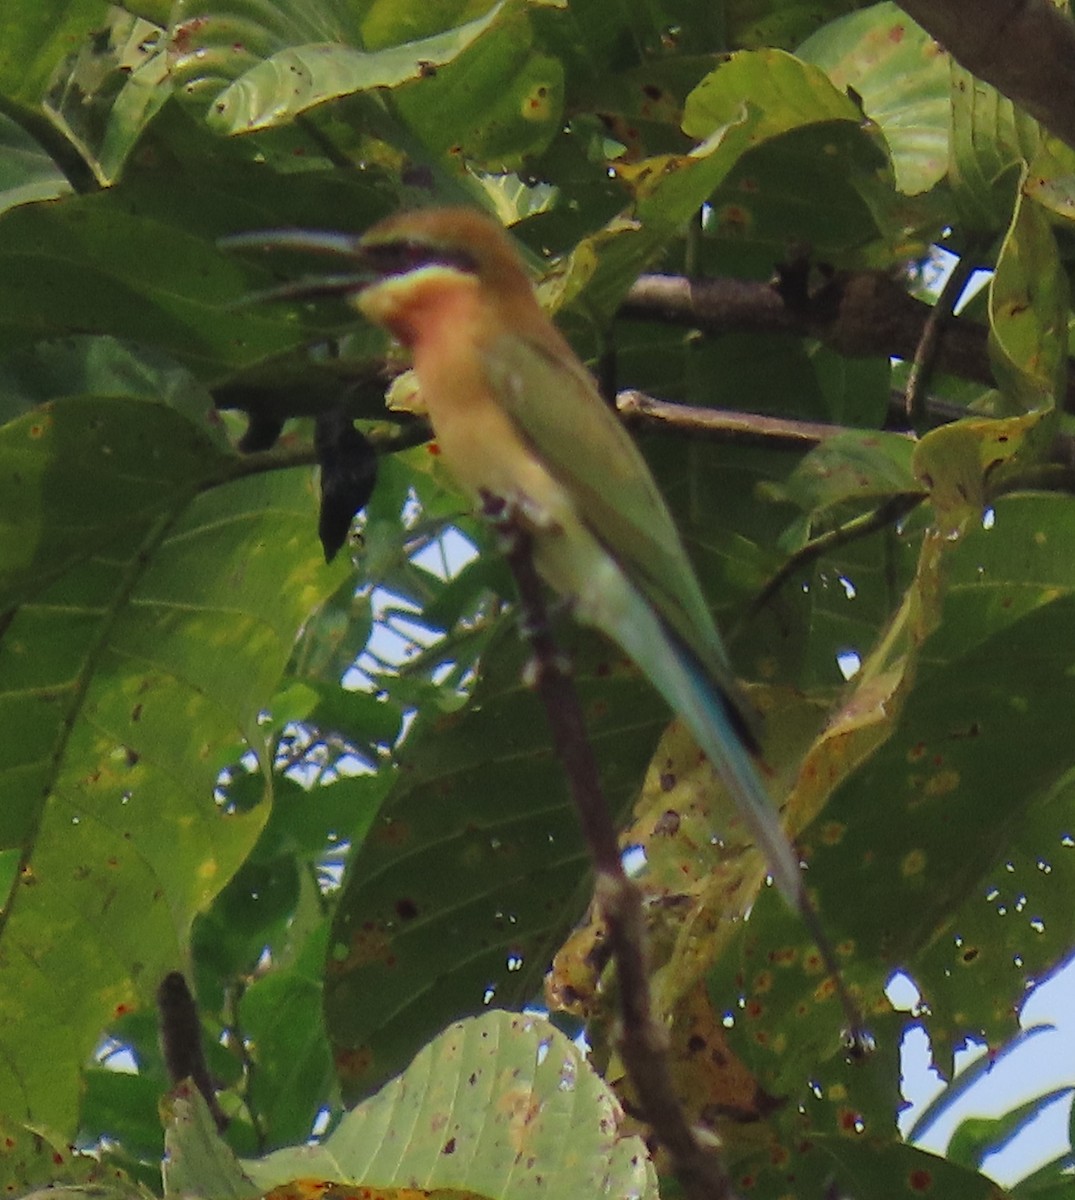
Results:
[32, 1159]
[475, 867]
[977, 1137]
[197, 1161]
[1050, 178]
[901, 76]
[93, 264]
[292, 1075]
[1006, 935]
[786, 96]
[979, 746]
[772, 91]
[298, 78]
[758, 206]
[782, 23]
[27, 173]
[852, 468]
[841, 1159]
[89, 265]
[506, 96]
[107, 91]
[207, 45]
[85, 365]
[1028, 312]
[123, 1107]
[152, 599]
[963, 463]
[499, 1105]
[991, 142]
[35, 38]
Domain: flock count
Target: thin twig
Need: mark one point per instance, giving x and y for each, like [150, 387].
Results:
[639, 409]
[723, 424]
[929, 344]
[234, 995]
[785, 433]
[892, 509]
[732, 425]
[643, 1044]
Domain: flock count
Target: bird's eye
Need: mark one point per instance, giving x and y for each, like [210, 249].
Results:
[411, 255]
[392, 258]
[397, 258]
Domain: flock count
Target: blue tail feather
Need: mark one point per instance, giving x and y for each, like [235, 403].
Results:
[718, 727]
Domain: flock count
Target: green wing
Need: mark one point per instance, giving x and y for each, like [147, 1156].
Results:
[559, 412]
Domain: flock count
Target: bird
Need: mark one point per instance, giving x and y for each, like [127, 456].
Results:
[517, 417]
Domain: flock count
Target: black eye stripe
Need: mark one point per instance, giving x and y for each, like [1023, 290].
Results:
[397, 258]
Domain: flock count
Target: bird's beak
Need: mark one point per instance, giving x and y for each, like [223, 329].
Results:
[342, 246]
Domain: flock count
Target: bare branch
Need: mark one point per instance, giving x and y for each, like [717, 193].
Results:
[721, 424]
[885, 514]
[931, 342]
[643, 1044]
[861, 314]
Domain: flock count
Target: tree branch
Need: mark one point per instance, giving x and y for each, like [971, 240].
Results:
[722, 424]
[643, 1044]
[863, 314]
[729, 425]
[883, 515]
[931, 343]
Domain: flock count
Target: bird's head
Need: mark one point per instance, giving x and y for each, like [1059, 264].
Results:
[459, 239]
[434, 266]
[402, 263]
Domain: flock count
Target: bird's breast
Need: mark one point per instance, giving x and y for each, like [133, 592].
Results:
[480, 443]
[450, 332]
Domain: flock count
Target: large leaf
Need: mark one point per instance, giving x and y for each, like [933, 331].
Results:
[783, 93]
[503, 1105]
[300, 77]
[26, 171]
[152, 590]
[505, 92]
[475, 868]
[787, 96]
[984, 737]
[952, 814]
[781, 23]
[991, 140]
[844, 1158]
[1028, 311]
[140, 261]
[293, 1076]
[901, 76]
[34, 39]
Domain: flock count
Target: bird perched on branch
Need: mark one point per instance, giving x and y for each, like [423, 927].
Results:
[517, 417]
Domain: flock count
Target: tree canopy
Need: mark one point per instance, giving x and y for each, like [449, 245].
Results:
[322, 791]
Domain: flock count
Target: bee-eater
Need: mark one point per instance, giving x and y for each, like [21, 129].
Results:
[518, 417]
